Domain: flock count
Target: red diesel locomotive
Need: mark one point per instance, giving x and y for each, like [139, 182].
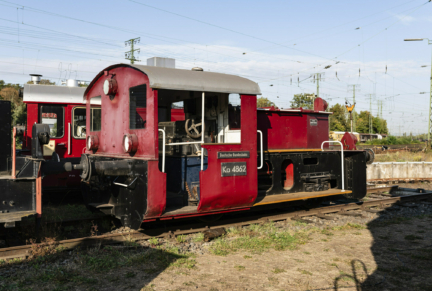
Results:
[141, 166]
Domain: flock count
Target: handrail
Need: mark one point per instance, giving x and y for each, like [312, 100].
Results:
[202, 129]
[163, 149]
[186, 142]
[261, 147]
[69, 139]
[342, 159]
[13, 174]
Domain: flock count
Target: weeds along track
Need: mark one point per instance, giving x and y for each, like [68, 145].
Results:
[377, 200]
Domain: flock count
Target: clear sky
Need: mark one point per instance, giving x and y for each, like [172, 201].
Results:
[279, 44]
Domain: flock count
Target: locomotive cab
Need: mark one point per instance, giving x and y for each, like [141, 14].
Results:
[141, 165]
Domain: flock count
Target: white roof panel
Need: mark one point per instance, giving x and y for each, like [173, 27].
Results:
[53, 94]
[188, 80]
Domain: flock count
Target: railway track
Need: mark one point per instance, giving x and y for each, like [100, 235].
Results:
[377, 201]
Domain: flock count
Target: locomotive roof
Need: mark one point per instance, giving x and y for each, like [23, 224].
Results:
[53, 94]
[188, 80]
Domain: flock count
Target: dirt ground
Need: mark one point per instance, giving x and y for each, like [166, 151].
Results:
[340, 259]
[392, 254]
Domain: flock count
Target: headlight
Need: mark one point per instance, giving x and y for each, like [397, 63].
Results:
[92, 142]
[130, 143]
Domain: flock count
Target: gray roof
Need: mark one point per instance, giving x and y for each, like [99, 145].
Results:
[188, 80]
[53, 94]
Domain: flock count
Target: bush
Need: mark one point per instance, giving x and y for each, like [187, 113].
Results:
[392, 140]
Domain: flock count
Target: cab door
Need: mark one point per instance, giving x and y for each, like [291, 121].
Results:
[230, 180]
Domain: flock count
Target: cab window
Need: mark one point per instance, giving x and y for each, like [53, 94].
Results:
[137, 107]
[95, 114]
[79, 122]
[53, 115]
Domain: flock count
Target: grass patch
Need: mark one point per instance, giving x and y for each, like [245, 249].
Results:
[240, 268]
[129, 241]
[247, 257]
[327, 232]
[190, 283]
[346, 277]
[154, 241]
[304, 272]
[181, 238]
[199, 237]
[404, 156]
[257, 239]
[349, 226]
[278, 271]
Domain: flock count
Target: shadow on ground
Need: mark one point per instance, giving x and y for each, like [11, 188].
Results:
[402, 250]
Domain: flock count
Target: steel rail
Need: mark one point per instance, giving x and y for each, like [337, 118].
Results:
[25, 251]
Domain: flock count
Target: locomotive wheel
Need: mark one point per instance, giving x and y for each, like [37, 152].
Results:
[210, 218]
[192, 128]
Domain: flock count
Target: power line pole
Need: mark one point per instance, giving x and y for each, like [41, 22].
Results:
[370, 113]
[430, 92]
[129, 55]
[378, 104]
[318, 77]
[354, 88]
[381, 109]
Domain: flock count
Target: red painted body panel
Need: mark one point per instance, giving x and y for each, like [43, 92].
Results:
[115, 116]
[349, 141]
[177, 114]
[156, 190]
[217, 192]
[292, 130]
[62, 144]
[320, 104]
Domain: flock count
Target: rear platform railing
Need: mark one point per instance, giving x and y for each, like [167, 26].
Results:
[342, 159]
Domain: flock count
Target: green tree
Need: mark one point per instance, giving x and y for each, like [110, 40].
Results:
[19, 114]
[303, 100]
[10, 94]
[43, 82]
[338, 120]
[379, 125]
[363, 122]
[8, 85]
[264, 102]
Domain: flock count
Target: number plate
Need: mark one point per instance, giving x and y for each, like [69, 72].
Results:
[313, 122]
[233, 169]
